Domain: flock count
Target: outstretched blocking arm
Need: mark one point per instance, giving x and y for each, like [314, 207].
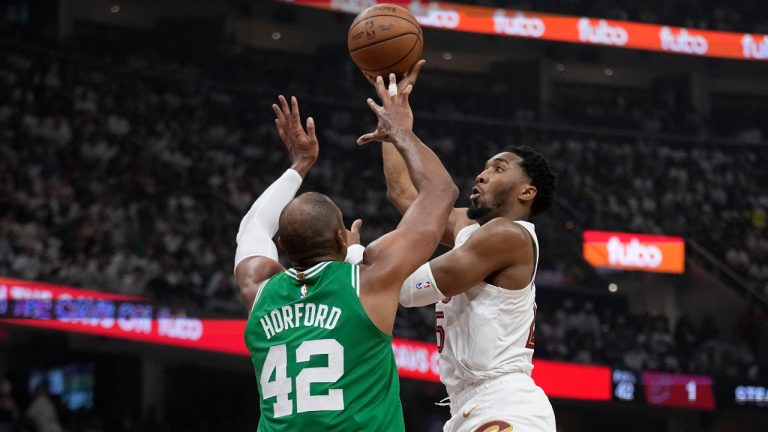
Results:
[391, 258]
[256, 257]
[401, 191]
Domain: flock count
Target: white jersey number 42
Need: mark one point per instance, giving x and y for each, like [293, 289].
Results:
[282, 386]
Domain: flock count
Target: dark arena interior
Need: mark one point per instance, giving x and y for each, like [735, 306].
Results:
[135, 134]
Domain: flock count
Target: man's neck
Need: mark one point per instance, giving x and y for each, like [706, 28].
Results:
[512, 214]
[307, 263]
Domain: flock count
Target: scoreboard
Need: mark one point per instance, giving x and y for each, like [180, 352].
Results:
[678, 391]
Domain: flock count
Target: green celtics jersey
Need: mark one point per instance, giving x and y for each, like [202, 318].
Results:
[321, 364]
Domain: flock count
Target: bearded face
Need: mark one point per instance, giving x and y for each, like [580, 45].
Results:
[485, 208]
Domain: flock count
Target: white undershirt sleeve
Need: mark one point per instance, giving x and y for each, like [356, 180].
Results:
[254, 238]
[354, 254]
[420, 288]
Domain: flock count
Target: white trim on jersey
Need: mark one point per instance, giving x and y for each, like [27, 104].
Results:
[308, 273]
[357, 280]
[258, 294]
[531, 229]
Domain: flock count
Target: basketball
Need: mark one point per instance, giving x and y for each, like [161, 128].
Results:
[385, 39]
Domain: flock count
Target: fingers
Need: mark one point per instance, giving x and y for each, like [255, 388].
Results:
[392, 89]
[278, 113]
[285, 109]
[287, 116]
[365, 139]
[356, 226]
[373, 105]
[295, 115]
[311, 129]
[413, 75]
[406, 93]
[380, 90]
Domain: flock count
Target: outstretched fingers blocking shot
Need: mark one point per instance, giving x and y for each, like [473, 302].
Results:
[394, 115]
[256, 258]
[302, 145]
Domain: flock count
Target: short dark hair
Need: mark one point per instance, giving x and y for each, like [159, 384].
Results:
[308, 226]
[542, 177]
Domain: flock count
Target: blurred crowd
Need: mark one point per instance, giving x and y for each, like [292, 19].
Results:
[583, 332]
[712, 195]
[131, 176]
[739, 15]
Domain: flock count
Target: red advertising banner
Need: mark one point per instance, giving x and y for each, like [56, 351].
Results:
[573, 381]
[678, 391]
[105, 314]
[561, 28]
[67, 309]
[416, 359]
[419, 360]
[626, 251]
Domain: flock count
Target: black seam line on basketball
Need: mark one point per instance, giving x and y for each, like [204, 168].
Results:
[383, 40]
[355, 24]
[415, 22]
[393, 64]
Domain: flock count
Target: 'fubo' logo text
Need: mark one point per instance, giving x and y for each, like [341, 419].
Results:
[602, 33]
[755, 48]
[633, 254]
[518, 25]
[682, 42]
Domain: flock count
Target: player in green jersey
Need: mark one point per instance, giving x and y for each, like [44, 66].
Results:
[319, 333]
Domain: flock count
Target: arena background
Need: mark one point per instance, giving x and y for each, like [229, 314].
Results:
[134, 134]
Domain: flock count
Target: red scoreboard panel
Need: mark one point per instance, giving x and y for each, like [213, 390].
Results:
[678, 391]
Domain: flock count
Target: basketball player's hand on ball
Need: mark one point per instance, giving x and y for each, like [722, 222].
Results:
[410, 77]
[394, 115]
[302, 145]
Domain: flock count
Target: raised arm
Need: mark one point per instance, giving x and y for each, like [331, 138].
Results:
[390, 259]
[401, 191]
[256, 257]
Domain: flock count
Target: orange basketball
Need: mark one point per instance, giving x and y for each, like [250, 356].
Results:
[385, 39]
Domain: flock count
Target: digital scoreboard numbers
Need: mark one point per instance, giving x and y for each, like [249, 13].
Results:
[627, 386]
[678, 391]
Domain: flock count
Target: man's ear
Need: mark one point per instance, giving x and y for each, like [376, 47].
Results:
[280, 243]
[528, 193]
[341, 239]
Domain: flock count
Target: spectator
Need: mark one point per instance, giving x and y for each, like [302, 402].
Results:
[42, 411]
